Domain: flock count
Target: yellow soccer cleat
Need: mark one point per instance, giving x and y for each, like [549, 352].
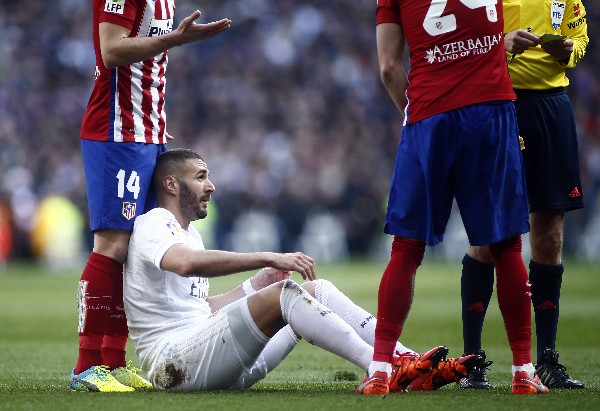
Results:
[96, 379]
[128, 376]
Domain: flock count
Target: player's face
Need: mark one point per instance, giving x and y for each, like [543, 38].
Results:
[195, 190]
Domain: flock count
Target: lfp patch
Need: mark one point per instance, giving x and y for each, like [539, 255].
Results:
[114, 6]
[174, 228]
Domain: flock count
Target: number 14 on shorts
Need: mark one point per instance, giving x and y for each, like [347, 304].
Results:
[133, 183]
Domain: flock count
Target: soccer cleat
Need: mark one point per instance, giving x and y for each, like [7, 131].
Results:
[477, 377]
[409, 367]
[96, 379]
[128, 376]
[522, 383]
[377, 384]
[446, 372]
[553, 374]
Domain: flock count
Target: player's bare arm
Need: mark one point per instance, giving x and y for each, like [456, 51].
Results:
[118, 49]
[268, 276]
[186, 261]
[258, 281]
[561, 50]
[390, 51]
[518, 41]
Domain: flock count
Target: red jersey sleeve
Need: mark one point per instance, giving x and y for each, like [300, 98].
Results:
[387, 11]
[121, 12]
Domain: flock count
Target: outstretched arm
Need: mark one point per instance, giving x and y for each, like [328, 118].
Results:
[118, 49]
[186, 261]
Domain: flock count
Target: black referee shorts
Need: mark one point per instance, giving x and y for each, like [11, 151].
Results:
[551, 154]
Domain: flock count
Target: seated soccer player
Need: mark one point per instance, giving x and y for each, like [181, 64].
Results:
[188, 340]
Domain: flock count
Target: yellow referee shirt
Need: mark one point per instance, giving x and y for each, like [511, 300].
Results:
[535, 69]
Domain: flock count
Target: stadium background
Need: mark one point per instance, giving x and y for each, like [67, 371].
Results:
[286, 107]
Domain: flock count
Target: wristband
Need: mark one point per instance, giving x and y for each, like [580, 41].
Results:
[247, 286]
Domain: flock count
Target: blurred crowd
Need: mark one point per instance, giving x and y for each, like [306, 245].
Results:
[286, 107]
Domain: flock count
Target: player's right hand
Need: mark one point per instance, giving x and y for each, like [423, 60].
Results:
[299, 262]
[518, 41]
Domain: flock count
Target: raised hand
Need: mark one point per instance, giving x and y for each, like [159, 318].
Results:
[189, 31]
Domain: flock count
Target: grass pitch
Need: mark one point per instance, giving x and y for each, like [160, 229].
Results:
[38, 348]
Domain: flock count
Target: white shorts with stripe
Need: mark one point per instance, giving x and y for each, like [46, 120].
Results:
[217, 354]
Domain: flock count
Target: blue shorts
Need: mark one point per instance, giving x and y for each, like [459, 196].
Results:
[118, 179]
[472, 155]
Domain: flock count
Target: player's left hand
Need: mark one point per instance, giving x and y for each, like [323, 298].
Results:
[189, 31]
[268, 276]
[559, 49]
[169, 137]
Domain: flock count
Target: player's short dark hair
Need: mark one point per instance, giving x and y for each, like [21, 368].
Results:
[172, 162]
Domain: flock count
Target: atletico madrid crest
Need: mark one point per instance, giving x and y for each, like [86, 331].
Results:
[128, 210]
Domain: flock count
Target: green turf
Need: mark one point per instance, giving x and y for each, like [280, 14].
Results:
[38, 347]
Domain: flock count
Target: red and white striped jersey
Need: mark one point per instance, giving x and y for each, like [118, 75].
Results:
[127, 103]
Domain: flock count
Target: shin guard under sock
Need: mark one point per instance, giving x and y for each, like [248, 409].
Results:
[477, 286]
[94, 298]
[514, 297]
[545, 282]
[395, 295]
[322, 327]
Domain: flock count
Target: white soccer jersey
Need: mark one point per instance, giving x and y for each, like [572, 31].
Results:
[157, 301]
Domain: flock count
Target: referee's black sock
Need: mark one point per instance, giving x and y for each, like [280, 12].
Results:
[477, 286]
[545, 294]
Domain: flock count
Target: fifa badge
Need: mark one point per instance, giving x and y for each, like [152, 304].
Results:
[557, 11]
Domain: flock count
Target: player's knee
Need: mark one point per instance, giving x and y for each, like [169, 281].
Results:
[323, 289]
[547, 251]
[480, 253]
[112, 243]
[310, 287]
[290, 293]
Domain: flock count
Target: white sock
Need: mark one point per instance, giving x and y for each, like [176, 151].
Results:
[529, 368]
[320, 326]
[380, 366]
[360, 320]
[278, 347]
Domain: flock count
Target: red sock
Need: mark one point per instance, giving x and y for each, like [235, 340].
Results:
[514, 297]
[113, 357]
[395, 295]
[95, 301]
[115, 332]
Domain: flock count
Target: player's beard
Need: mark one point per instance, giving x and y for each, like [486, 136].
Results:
[189, 203]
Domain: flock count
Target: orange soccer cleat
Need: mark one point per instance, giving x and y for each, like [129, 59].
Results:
[523, 384]
[377, 384]
[409, 367]
[447, 371]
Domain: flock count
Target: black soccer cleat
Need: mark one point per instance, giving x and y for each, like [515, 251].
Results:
[553, 374]
[477, 377]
